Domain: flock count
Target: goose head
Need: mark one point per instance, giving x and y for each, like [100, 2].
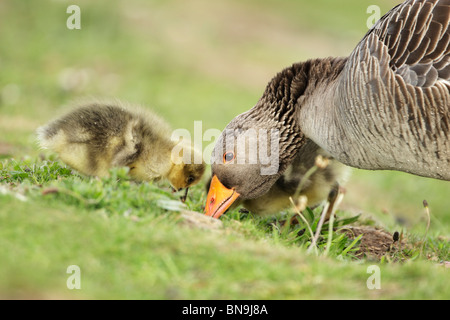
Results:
[256, 147]
[245, 165]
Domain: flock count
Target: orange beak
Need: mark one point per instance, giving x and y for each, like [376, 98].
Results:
[219, 198]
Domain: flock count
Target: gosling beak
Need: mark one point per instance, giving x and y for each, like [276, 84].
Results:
[219, 198]
[184, 197]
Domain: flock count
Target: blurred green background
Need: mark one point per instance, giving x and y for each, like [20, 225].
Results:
[188, 60]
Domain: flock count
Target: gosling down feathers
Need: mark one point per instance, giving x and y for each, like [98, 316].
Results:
[94, 138]
[385, 107]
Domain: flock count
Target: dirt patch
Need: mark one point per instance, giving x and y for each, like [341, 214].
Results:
[198, 220]
[375, 242]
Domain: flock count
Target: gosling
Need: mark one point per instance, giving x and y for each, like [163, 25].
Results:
[98, 136]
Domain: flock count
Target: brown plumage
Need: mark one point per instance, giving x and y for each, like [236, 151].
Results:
[385, 107]
[389, 106]
[98, 136]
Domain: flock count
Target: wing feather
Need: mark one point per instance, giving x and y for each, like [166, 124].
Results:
[393, 95]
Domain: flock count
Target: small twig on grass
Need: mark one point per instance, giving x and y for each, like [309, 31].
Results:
[330, 234]
[338, 201]
[427, 212]
[320, 224]
[306, 222]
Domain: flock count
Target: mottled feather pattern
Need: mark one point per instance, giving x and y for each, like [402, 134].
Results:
[395, 99]
[417, 35]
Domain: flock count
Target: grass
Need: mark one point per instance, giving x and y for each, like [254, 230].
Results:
[204, 61]
[138, 247]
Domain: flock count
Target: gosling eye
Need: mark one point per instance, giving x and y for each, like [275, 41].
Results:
[228, 156]
[190, 179]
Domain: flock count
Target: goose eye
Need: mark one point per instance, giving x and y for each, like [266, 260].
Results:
[227, 157]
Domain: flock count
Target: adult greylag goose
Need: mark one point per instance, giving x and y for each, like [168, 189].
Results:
[98, 136]
[385, 107]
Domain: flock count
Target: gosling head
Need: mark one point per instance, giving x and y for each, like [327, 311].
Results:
[187, 167]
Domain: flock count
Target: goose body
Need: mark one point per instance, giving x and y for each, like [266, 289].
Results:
[385, 107]
[96, 137]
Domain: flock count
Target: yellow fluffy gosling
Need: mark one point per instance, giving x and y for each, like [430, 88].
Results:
[98, 136]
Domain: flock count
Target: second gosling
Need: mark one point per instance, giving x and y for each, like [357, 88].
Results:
[96, 137]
